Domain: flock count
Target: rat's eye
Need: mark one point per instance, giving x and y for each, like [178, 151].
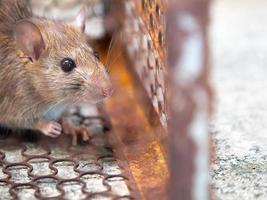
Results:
[96, 54]
[67, 64]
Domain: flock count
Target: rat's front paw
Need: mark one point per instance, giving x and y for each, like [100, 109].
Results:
[75, 131]
[49, 128]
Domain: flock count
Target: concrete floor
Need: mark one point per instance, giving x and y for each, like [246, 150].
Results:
[239, 46]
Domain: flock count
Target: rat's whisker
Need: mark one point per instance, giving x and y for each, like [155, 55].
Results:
[73, 86]
[116, 58]
[113, 61]
[114, 43]
[109, 50]
[83, 74]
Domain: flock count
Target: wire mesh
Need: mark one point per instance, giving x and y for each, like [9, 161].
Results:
[47, 169]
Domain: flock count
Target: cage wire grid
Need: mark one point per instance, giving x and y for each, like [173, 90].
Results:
[47, 169]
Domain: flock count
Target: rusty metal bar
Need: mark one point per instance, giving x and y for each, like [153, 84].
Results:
[190, 98]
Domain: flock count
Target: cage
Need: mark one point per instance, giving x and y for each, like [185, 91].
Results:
[151, 138]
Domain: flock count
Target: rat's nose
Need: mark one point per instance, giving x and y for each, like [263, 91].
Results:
[107, 92]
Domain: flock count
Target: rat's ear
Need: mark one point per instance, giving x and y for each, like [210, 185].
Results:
[81, 19]
[29, 39]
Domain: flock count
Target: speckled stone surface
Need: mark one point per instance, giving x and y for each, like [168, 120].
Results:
[238, 46]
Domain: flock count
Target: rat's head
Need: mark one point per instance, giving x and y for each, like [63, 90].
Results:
[61, 65]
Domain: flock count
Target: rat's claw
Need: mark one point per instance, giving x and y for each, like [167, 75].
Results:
[75, 131]
[56, 126]
[85, 133]
[50, 128]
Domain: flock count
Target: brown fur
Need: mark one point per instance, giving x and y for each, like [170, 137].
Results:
[28, 89]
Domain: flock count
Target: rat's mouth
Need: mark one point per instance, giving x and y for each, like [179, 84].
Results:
[107, 92]
[98, 94]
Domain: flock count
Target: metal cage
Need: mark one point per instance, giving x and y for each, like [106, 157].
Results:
[158, 145]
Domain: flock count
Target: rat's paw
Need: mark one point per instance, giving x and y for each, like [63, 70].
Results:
[50, 128]
[75, 131]
[81, 132]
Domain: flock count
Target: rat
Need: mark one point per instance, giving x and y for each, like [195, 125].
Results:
[45, 66]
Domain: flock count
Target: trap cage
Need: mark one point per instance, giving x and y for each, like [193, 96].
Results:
[151, 138]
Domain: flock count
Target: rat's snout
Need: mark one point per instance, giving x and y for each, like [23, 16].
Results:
[101, 84]
[107, 92]
[106, 87]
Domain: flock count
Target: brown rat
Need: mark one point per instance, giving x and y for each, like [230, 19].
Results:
[45, 65]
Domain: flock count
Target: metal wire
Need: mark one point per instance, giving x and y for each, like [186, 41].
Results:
[49, 169]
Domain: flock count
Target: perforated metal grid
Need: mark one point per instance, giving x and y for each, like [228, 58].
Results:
[143, 33]
[54, 169]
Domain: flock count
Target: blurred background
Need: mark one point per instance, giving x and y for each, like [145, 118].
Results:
[238, 45]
